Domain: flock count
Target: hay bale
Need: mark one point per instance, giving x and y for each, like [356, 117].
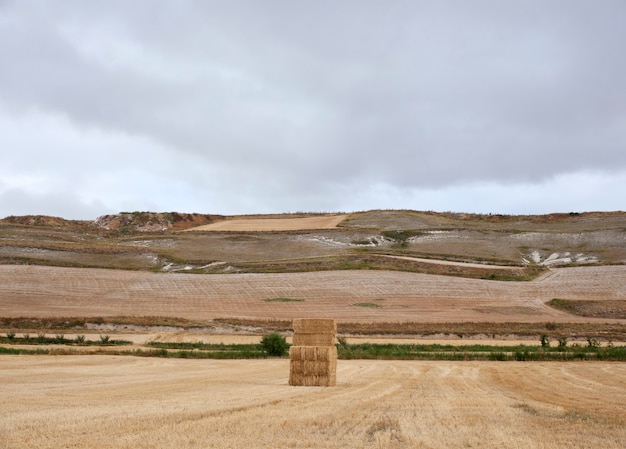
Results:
[315, 326]
[311, 339]
[301, 380]
[313, 356]
[313, 366]
[313, 353]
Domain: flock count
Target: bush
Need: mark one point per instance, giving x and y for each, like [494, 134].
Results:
[274, 345]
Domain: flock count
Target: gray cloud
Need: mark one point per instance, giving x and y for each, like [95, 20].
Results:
[291, 101]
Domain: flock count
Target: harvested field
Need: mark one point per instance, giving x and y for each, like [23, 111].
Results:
[400, 297]
[126, 402]
[273, 224]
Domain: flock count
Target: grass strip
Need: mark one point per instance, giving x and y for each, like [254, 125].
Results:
[61, 340]
[367, 351]
[479, 352]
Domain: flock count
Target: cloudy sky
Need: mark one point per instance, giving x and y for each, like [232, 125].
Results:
[253, 106]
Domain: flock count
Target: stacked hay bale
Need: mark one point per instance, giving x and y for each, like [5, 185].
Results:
[313, 356]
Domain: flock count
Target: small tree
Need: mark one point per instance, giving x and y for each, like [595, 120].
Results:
[545, 342]
[274, 344]
[593, 342]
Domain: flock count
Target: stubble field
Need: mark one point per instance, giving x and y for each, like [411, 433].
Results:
[124, 402]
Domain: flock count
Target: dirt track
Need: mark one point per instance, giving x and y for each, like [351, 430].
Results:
[345, 295]
[129, 402]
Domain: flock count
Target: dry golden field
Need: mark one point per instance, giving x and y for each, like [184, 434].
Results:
[127, 402]
[273, 224]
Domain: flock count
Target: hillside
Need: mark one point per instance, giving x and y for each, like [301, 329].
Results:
[508, 246]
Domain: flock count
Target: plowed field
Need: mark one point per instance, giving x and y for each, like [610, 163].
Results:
[129, 402]
[367, 295]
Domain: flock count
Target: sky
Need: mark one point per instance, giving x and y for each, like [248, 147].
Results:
[235, 107]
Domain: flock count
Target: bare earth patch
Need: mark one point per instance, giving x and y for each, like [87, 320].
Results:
[129, 402]
[273, 224]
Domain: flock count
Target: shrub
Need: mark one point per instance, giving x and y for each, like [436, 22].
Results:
[80, 339]
[10, 335]
[551, 326]
[545, 342]
[274, 344]
[105, 338]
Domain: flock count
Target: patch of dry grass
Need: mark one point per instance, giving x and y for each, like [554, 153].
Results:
[612, 309]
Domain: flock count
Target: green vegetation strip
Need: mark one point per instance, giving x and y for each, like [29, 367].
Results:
[283, 300]
[205, 350]
[478, 352]
[41, 339]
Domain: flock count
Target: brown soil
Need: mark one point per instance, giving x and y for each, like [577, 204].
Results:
[348, 296]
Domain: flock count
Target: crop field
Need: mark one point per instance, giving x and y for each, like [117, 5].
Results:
[142, 280]
[125, 402]
[363, 295]
[273, 224]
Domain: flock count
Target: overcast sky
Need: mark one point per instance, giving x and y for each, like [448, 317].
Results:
[236, 107]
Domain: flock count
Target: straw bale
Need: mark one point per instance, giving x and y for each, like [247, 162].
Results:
[313, 353]
[313, 365]
[312, 381]
[313, 339]
[315, 325]
[313, 356]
